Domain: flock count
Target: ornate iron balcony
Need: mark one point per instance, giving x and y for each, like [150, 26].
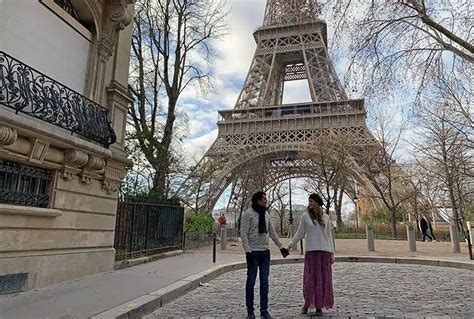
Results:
[67, 6]
[29, 91]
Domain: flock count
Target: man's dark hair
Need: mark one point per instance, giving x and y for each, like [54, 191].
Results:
[257, 196]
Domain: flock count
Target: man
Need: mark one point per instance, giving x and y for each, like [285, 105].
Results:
[255, 229]
[424, 229]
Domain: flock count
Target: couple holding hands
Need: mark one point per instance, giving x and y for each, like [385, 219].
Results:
[255, 230]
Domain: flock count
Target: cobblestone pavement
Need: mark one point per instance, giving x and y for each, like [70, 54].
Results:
[361, 290]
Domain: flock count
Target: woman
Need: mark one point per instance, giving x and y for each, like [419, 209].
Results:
[317, 278]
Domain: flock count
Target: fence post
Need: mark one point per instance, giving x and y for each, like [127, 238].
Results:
[184, 241]
[130, 249]
[223, 237]
[214, 239]
[411, 237]
[369, 230]
[147, 221]
[453, 230]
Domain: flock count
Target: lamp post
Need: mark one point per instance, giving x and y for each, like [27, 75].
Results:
[235, 200]
[290, 217]
[290, 158]
[356, 201]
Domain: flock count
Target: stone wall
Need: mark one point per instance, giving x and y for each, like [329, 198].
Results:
[74, 235]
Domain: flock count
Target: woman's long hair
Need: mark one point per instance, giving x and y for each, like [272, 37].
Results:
[316, 215]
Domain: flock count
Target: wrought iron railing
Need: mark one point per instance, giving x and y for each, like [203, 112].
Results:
[144, 227]
[293, 110]
[29, 91]
[67, 6]
[24, 185]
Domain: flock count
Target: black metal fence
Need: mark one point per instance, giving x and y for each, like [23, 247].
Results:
[194, 240]
[144, 227]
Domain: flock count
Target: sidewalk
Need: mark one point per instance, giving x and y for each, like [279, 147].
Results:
[95, 294]
[91, 295]
[383, 248]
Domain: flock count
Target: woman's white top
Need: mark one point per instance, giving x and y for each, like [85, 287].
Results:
[317, 237]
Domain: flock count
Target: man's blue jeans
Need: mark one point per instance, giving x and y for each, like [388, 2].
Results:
[258, 260]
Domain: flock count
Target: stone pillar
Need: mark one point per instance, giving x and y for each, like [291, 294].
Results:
[470, 227]
[223, 237]
[453, 230]
[411, 237]
[370, 237]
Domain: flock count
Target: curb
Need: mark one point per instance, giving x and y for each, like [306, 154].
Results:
[146, 304]
[142, 260]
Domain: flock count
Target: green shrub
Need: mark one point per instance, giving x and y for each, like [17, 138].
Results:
[201, 222]
[381, 217]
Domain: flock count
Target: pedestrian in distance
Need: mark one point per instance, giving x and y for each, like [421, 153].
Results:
[430, 229]
[424, 228]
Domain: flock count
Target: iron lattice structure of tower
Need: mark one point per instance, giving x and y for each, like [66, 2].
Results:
[261, 133]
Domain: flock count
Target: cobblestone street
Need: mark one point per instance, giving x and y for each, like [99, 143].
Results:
[361, 290]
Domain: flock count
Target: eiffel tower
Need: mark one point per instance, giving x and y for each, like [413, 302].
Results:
[261, 133]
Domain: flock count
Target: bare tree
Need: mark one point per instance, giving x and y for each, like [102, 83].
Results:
[276, 196]
[171, 51]
[445, 154]
[457, 96]
[391, 183]
[406, 40]
[333, 172]
[198, 182]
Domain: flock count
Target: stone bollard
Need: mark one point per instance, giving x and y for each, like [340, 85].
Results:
[369, 231]
[453, 231]
[411, 237]
[223, 237]
[470, 227]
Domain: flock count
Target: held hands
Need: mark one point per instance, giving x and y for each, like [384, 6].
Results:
[284, 252]
[333, 259]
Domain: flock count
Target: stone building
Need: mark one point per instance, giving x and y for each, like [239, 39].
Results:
[63, 105]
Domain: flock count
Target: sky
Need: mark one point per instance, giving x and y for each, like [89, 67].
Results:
[234, 55]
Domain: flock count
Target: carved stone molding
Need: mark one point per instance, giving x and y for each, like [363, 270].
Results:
[8, 135]
[87, 166]
[117, 17]
[95, 163]
[116, 91]
[111, 186]
[113, 177]
[38, 150]
[75, 158]
[68, 172]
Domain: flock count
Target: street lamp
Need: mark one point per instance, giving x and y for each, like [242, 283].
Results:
[290, 158]
[356, 201]
[234, 201]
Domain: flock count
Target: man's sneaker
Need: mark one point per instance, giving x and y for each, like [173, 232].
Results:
[304, 310]
[319, 312]
[250, 315]
[266, 315]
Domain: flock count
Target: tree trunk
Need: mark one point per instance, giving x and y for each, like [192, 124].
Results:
[159, 180]
[393, 215]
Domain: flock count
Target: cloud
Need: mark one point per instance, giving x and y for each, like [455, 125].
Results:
[234, 55]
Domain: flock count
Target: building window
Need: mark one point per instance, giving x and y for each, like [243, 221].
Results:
[67, 6]
[24, 185]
